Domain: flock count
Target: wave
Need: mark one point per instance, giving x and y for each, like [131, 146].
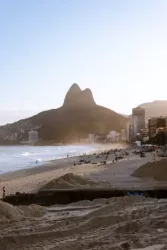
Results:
[26, 154]
[20, 157]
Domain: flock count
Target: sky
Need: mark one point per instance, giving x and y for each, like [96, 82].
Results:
[116, 48]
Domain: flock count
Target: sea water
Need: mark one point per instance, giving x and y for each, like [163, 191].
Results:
[20, 157]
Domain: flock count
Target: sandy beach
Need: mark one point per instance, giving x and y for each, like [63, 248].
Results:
[115, 223]
[117, 174]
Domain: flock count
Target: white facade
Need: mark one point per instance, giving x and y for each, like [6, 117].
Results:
[123, 134]
[91, 138]
[33, 137]
[112, 135]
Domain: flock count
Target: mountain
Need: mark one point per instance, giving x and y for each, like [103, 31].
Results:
[78, 117]
[13, 115]
[152, 109]
[155, 108]
[75, 96]
[124, 115]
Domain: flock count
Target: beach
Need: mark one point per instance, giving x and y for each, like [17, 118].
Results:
[116, 175]
[116, 223]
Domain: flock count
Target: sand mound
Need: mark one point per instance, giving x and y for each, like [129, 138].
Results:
[69, 181]
[32, 210]
[9, 212]
[156, 170]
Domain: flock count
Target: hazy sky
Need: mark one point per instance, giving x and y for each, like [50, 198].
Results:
[118, 48]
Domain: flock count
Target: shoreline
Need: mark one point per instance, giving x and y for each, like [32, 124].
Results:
[44, 164]
[23, 157]
[40, 168]
[116, 175]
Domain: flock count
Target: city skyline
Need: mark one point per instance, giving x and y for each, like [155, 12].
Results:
[115, 48]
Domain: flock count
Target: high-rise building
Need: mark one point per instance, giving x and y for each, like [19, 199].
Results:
[138, 120]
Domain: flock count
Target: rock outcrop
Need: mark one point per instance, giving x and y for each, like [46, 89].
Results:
[75, 96]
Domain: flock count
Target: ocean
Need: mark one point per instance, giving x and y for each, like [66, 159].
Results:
[20, 157]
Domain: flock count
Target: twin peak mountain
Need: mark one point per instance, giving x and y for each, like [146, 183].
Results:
[76, 97]
[76, 118]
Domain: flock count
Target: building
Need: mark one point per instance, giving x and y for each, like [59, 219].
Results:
[123, 135]
[32, 137]
[138, 120]
[129, 131]
[155, 124]
[91, 138]
[112, 135]
[144, 135]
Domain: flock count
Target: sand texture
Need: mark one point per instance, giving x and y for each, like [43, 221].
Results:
[9, 213]
[116, 175]
[116, 223]
[156, 170]
[124, 223]
[70, 180]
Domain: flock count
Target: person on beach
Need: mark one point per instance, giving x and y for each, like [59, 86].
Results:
[4, 192]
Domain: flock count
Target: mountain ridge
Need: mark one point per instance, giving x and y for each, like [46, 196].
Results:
[152, 109]
[76, 118]
[155, 108]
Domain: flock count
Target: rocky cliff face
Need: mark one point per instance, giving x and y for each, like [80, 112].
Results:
[76, 97]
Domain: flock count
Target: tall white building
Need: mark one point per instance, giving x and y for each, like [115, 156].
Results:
[33, 137]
